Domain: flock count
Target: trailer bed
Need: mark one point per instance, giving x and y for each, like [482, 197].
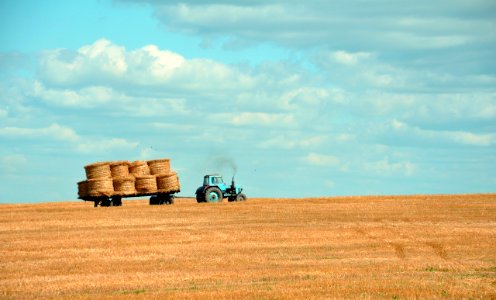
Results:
[156, 198]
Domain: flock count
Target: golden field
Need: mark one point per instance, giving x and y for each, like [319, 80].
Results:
[387, 247]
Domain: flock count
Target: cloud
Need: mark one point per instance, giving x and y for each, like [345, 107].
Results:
[291, 141]
[256, 119]
[322, 160]
[103, 145]
[13, 163]
[106, 64]
[386, 168]
[347, 58]
[56, 132]
[382, 26]
[91, 96]
[440, 137]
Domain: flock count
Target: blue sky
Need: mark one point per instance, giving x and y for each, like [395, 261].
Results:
[314, 98]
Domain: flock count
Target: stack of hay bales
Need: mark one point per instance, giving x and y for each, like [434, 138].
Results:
[123, 181]
[99, 181]
[167, 181]
[123, 178]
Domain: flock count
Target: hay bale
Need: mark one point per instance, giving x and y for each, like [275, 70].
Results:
[146, 184]
[98, 170]
[168, 183]
[83, 188]
[159, 166]
[100, 187]
[139, 168]
[124, 185]
[119, 168]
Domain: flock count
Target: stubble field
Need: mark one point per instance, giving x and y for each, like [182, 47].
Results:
[400, 247]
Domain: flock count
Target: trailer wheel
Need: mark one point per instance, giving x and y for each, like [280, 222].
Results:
[213, 194]
[117, 201]
[106, 202]
[241, 197]
[154, 200]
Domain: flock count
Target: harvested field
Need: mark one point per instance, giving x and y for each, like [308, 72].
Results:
[404, 247]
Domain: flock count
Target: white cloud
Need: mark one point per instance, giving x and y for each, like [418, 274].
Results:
[139, 107]
[306, 97]
[183, 128]
[13, 163]
[110, 65]
[149, 153]
[289, 141]
[347, 58]
[112, 101]
[387, 168]
[102, 145]
[153, 63]
[256, 119]
[446, 136]
[67, 134]
[91, 96]
[109, 57]
[472, 139]
[322, 160]
[99, 60]
[347, 25]
[54, 131]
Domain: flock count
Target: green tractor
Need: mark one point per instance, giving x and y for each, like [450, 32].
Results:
[214, 190]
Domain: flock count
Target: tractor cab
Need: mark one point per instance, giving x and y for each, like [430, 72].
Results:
[214, 180]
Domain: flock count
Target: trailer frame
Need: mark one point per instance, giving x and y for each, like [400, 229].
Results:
[156, 198]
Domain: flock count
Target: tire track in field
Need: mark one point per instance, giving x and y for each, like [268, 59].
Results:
[399, 248]
[438, 249]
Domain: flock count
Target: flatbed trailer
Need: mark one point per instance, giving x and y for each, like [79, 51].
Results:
[156, 198]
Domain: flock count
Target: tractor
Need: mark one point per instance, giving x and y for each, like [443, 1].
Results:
[214, 190]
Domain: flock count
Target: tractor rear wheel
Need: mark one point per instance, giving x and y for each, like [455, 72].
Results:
[241, 197]
[213, 194]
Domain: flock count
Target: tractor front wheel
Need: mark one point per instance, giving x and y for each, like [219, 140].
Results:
[213, 194]
[241, 197]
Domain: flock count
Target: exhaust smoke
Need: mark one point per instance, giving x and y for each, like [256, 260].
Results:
[224, 163]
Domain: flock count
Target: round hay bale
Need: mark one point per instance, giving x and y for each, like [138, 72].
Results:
[124, 186]
[119, 168]
[146, 184]
[83, 188]
[100, 187]
[168, 183]
[159, 166]
[139, 168]
[98, 170]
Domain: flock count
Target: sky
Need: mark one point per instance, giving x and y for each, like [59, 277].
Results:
[297, 98]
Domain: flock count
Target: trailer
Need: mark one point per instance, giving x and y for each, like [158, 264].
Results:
[158, 198]
[107, 183]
